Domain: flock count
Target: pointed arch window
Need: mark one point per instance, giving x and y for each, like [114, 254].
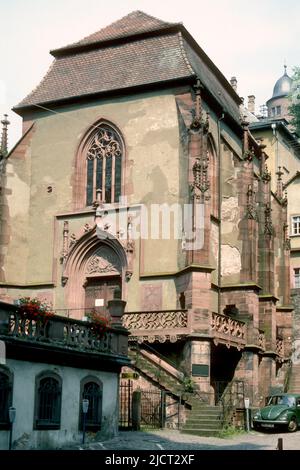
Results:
[104, 154]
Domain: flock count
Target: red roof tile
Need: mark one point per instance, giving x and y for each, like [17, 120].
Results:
[135, 22]
[90, 67]
[132, 64]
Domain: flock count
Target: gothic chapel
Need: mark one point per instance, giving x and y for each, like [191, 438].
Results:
[133, 116]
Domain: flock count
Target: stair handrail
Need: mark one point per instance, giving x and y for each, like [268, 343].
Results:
[160, 355]
[162, 364]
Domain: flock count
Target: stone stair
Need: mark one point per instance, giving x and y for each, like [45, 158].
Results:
[203, 420]
[156, 373]
[294, 382]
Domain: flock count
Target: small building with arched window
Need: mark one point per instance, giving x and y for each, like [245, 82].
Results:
[48, 369]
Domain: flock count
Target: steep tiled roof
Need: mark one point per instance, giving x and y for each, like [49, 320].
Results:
[135, 22]
[132, 64]
[115, 59]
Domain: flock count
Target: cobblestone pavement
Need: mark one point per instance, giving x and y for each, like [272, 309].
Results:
[174, 440]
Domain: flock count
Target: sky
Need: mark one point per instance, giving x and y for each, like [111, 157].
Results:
[249, 40]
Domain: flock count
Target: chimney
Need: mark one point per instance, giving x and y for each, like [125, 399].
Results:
[233, 82]
[251, 104]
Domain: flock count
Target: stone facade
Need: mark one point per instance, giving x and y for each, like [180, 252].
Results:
[183, 142]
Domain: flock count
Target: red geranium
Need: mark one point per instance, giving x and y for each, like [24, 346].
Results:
[100, 324]
[35, 309]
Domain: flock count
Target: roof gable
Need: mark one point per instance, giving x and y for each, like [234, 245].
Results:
[134, 23]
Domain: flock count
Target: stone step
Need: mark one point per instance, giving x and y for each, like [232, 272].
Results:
[206, 412]
[201, 432]
[203, 419]
[206, 407]
[207, 417]
[202, 425]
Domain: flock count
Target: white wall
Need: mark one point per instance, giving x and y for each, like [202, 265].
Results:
[23, 400]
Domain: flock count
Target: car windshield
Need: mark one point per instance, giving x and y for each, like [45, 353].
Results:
[282, 400]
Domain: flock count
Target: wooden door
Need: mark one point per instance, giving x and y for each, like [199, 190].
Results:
[102, 290]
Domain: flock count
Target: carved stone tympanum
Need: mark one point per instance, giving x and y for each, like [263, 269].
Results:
[103, 261]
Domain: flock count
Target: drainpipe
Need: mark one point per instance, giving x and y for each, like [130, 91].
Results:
[219, 209]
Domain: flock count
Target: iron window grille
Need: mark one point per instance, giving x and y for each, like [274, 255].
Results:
[92, 391]
[5, 398]
[48, 403]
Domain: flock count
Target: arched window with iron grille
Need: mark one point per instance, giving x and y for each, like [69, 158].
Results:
[48, 401]
[91, 389]
[6, 387]
[103, 153]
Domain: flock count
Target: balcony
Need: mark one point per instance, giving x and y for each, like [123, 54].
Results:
[60, 332]
[228, 331]
[161, 326]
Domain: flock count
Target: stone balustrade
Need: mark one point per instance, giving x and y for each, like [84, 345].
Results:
[62, 332]
[228, 330]
[279, 347]
[261, 341]
[164, 325]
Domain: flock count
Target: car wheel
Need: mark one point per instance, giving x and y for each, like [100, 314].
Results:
[256, 427]
[292, 426]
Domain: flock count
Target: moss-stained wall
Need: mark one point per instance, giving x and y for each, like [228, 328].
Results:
[149, 125]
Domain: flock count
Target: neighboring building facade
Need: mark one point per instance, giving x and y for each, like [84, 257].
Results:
[139, 111]
[283, 149]
[278, 105]
[47, 372]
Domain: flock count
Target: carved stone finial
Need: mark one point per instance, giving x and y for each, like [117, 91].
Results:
[251, 206]
[248, 155]
[269, 230]
[279, 189]
[266, 175]
[99, 201]
[5, 123]
[73, 240]
[197, 118]
[201, 179]
[65, 248]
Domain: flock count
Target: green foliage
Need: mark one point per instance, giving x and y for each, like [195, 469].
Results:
[229, 431]
[294, 109]
[188, 385]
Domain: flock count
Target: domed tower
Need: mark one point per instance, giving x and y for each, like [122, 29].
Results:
[279, 103]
